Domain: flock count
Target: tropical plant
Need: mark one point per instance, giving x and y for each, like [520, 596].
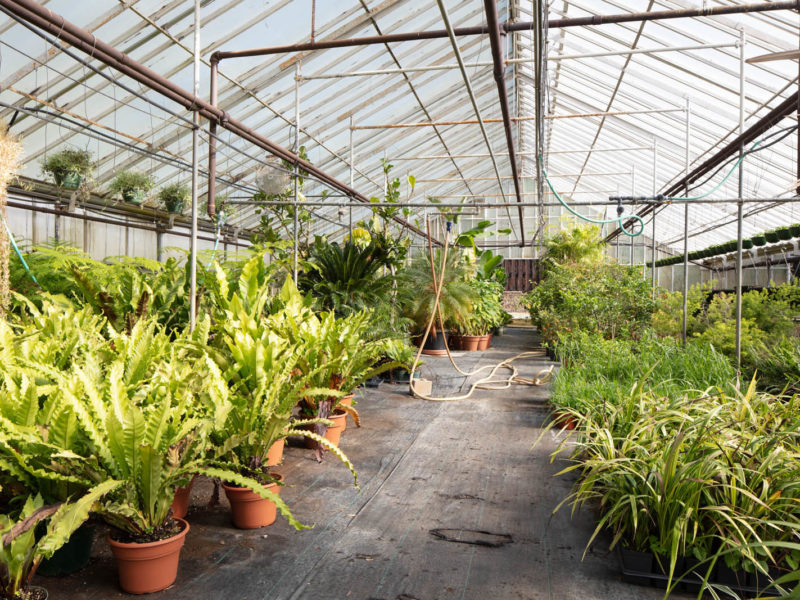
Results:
[456, 297]
[347, 278]
[578, 244]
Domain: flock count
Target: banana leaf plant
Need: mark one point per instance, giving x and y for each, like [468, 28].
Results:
[22, 550]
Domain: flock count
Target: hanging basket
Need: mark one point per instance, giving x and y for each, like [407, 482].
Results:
[272, 179]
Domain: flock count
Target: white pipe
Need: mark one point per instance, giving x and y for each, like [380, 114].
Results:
[195, 174]
[564, 151]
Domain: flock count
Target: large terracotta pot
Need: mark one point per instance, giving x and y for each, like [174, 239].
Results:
[180, 503]
[470, 342]
[149, 567]
[275, 454]
[248, 509]
[348, 400]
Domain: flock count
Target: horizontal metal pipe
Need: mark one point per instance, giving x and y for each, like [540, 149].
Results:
[56, 25]
[550, 175]
[501, 204]
[661, 15]
[618, 113]
[109, 221]
[641, 51]
[507, 27]
[479, 155]
[512, 61]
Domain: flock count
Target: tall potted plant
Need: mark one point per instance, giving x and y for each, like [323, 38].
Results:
[456, 297]
[68, 167]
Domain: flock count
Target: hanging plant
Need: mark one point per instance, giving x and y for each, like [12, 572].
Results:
[68, 167]
[132, 186]
[795, 229]
[173, 197]
[772, 236]
[784, 233]
[10, 153]
[759, 239]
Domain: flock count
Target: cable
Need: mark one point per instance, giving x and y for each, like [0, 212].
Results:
[489, 382]
[19, 254]
[619, 219]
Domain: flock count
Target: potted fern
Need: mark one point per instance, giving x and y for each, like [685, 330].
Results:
[147, 418]
[173, 197]
[68, 167]
[132, 186]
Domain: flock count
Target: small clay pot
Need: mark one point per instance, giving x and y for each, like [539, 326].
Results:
[180, 503]
[340, 424]
[248, 509]
[275, 454]
[149, 567]
[470, 343]
[484, 342]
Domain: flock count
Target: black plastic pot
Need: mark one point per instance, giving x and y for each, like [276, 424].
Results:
[434, 345]
[771, 236]
[795, 229]
[72, 556]
[636, 566]
[784, 233]
[747, 244]
[759, 240]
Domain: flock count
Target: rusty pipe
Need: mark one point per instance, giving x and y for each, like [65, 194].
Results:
[493, 23]
[508, 27]
[211, 203]
[56, 25]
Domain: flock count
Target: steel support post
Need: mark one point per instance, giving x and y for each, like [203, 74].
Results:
[296, 168]
[653, 240]
[740, 207]
[686, 230]
[195, 174]
[352, 174]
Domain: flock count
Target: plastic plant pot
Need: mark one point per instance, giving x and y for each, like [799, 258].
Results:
[747, 244]
[771, 236]
[795, 229]
[69, 180]
[759, 240]
[784, 233]
[134, 196]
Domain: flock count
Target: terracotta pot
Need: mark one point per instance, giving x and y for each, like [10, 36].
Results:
[334, 433]
[483, 343]
[180, 503]
[149, 567]
[248, 509]
[348, 400]
[564, 420]
[275, 454]
[470, 342]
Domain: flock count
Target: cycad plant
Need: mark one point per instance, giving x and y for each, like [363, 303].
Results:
[457, 295]
[347, 278]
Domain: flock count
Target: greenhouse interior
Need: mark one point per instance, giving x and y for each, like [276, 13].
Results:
[445, 299]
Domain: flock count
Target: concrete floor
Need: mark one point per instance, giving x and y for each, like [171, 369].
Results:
[459, 468]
